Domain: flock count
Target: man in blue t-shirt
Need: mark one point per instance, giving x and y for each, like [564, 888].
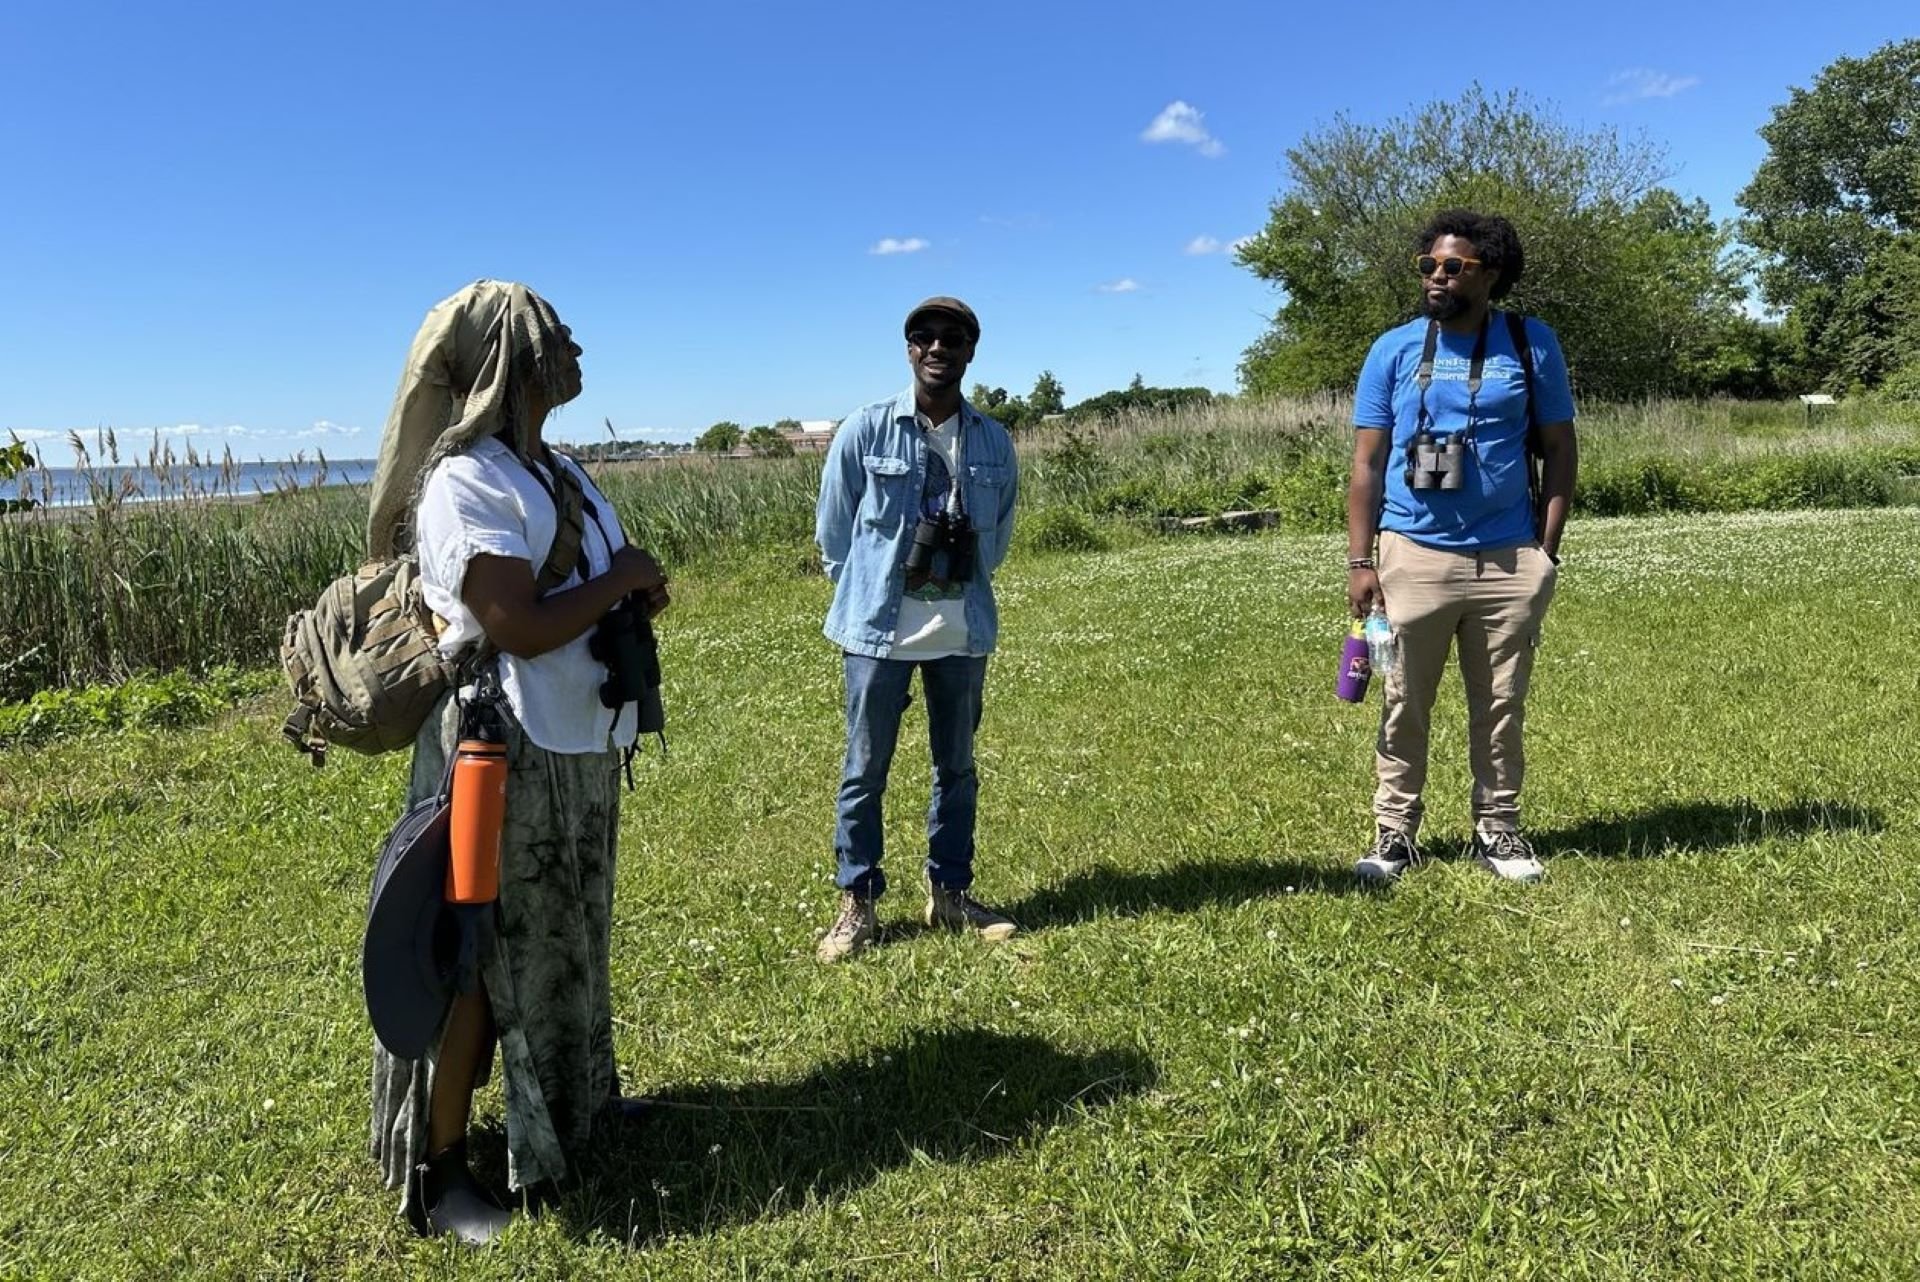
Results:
[1467, 536]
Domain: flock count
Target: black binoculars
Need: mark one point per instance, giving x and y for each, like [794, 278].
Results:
[624, 641]
[949, 532]
[1436, 462]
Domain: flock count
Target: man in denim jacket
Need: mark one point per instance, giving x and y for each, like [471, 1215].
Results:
[915, 511]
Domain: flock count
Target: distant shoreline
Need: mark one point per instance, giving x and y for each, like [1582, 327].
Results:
[70, 513]
[138, 485]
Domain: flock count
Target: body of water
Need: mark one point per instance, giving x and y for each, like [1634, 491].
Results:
[70, 487]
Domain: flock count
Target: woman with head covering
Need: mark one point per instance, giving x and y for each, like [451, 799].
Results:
[466, 482]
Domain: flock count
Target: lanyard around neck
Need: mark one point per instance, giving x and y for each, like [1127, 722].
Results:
[1476, 367]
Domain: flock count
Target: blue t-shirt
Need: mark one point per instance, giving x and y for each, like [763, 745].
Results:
[1492, 509]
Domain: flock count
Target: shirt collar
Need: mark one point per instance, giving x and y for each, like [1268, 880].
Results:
[906, 410]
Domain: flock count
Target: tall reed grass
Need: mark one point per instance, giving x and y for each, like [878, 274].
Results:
[205, 579]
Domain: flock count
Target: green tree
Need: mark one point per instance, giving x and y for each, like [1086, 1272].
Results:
[1047, 397]
[1835, 210]
[788, 425]
[14, 459]
[768, 442]
[987, 398]
[1014, 414]
[1137, 396]
[719, 438]
[1639, 283]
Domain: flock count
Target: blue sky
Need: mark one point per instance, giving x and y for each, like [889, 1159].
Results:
[224, 221]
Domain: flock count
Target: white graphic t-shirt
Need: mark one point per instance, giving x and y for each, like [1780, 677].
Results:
[933, 618]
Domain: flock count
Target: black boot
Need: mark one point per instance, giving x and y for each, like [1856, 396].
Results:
[447, 1199]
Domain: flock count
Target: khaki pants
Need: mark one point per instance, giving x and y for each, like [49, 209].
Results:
[1493, 603]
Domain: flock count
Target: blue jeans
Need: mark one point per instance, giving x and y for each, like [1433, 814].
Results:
[876, 696]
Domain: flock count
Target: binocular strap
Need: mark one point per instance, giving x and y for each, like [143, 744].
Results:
[1476, 369]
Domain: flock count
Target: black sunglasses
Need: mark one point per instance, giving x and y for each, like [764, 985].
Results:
[926, 338]
[1427, 264]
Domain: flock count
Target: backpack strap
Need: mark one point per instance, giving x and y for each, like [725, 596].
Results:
[569, 535]
[569, 527]
[1523, 350]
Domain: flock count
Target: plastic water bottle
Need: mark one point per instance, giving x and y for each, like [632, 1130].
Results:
[1379, 633]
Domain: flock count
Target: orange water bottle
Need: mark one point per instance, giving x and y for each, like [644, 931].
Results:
[479, 811]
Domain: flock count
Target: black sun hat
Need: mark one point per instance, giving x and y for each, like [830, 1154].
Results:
[952, 307]
[408, 960]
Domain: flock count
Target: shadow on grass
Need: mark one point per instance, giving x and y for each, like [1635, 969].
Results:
[706, 1158]
[1181, 888]
[1702, 826]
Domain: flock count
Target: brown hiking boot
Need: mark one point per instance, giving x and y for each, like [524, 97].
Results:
[957, 910]
[852, 930]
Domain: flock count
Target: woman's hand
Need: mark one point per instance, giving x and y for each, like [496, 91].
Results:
[640, 574]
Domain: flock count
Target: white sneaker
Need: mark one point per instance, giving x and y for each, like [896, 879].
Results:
[1507, 856]
[1393, 853]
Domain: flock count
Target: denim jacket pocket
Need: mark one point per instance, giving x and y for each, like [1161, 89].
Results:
[888, 498]
[984, 483]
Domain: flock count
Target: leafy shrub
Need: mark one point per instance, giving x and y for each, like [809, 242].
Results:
[143, 703]
[1637, 487]
[1312, 495]
[1773, 482]
[1060, 529]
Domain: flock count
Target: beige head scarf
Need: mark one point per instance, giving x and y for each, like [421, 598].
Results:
[475, 359]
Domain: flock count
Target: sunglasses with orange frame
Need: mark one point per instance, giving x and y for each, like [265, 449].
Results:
[1427, 264]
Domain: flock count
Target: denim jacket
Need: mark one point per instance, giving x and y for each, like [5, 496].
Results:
[870, 501]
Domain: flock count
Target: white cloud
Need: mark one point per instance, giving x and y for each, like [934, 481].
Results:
[897, 245]
[1125, 285]
[1638, 83]
[1214, 245]
[1183, 122]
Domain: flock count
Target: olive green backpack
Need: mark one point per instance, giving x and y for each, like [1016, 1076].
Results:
[364, 663]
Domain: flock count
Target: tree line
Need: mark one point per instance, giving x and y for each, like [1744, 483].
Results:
[1047, 401]
[1648, 293]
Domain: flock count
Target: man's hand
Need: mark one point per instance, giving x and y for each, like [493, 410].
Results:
[1363, 591]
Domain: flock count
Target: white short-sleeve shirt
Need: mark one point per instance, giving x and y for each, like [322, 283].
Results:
[485, 502]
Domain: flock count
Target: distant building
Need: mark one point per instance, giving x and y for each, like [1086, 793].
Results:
[813, 437]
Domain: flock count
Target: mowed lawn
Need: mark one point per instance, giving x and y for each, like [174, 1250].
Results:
[1689, 1053]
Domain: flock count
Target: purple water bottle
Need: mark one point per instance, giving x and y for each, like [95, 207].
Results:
[1355, 668]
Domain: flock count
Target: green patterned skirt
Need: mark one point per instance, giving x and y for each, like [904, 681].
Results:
[545, 970]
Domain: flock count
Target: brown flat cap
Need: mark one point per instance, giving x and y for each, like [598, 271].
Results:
[953, 307]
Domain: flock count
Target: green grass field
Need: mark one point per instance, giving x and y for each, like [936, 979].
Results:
[1689, 1053]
